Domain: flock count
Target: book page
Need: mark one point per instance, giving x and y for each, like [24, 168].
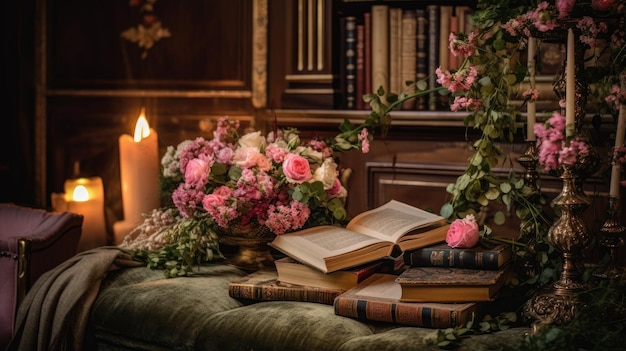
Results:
[384, 287]
[391, 220]
[314, 244]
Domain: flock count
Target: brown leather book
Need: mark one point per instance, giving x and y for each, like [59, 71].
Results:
[437, 284]
[377, 299]
[263, 285]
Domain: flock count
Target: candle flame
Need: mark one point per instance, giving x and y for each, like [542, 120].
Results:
[142, 129]
[80, 194]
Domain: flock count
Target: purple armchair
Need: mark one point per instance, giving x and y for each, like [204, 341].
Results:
[32, 241]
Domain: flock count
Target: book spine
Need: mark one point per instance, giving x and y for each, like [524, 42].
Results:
[242, 291]
[367, 52]
[385, 266]
[445, 12]
[433, 53]
[395, 22]
[411, 314]
[380, 48]
[350, 63]
[449, 258]
[454, 28]
[360, 66]
[421, 55]
[283, 293]
[408, 55]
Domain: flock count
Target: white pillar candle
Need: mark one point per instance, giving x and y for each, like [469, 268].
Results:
[619, 141]
[139, 171]
[531, 106]
[570, 84]
[85, 196]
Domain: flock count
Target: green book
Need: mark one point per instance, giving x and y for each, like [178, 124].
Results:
[477, 257]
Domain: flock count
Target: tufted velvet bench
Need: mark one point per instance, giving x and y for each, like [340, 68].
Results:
[138, 309]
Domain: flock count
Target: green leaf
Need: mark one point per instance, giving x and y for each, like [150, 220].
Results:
[492, 194]
[499, 218]
[505, 188]
[447, 210]
[421, 85]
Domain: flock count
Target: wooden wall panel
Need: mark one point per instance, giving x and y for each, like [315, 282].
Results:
[209, 48]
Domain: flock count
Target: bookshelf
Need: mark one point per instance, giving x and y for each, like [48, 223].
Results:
[336, 50]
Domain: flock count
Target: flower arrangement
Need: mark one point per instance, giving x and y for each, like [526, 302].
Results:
[277, 182]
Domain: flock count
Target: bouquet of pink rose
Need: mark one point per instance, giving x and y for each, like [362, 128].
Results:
[277, 182]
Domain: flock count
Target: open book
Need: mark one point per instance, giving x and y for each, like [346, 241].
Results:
[385, 231]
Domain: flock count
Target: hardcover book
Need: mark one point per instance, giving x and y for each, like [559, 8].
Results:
[380, 47]
[367, 53]
[263, 285]
[385, 231]
[395, 47]
[360, 67]
[378, 299]
[437, 284]
[421, 55]
[293, 272]
[432, 14]
[408, 53]
[477, 257]
[349, 85]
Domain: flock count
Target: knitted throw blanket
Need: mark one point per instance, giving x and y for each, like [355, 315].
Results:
[55, 312]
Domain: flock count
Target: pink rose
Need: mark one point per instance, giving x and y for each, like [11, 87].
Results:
[197, 172]
[463, 233]
[296, 169]
[565, 7]
[602, 5]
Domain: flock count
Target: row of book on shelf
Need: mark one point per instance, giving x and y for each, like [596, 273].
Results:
[388, 46]
[389, 264]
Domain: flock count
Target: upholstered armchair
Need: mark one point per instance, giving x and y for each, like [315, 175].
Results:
[32, 241]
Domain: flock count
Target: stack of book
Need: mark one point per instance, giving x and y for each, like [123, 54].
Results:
[445, 274]
[441, 287]
[325, 261]
[390, 264]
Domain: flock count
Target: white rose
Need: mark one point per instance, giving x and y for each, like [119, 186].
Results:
[309, 153]
[326, 173]
[254, 139]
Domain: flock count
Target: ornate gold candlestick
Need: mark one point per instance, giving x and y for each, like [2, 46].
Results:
[559, 303]
[529, 160]
[612, 232]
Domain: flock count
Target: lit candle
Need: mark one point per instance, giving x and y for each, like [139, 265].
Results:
[531, 107]
[619, 141]
[570, 85]
[85, 196]
[139, 171]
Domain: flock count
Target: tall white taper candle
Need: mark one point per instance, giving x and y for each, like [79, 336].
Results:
[619, 141]
[570, 84]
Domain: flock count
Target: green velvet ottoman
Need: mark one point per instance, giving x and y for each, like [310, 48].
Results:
[138, 309]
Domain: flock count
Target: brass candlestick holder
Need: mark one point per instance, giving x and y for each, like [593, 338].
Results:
[612, 232]
[529, 160]
[559, 303]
